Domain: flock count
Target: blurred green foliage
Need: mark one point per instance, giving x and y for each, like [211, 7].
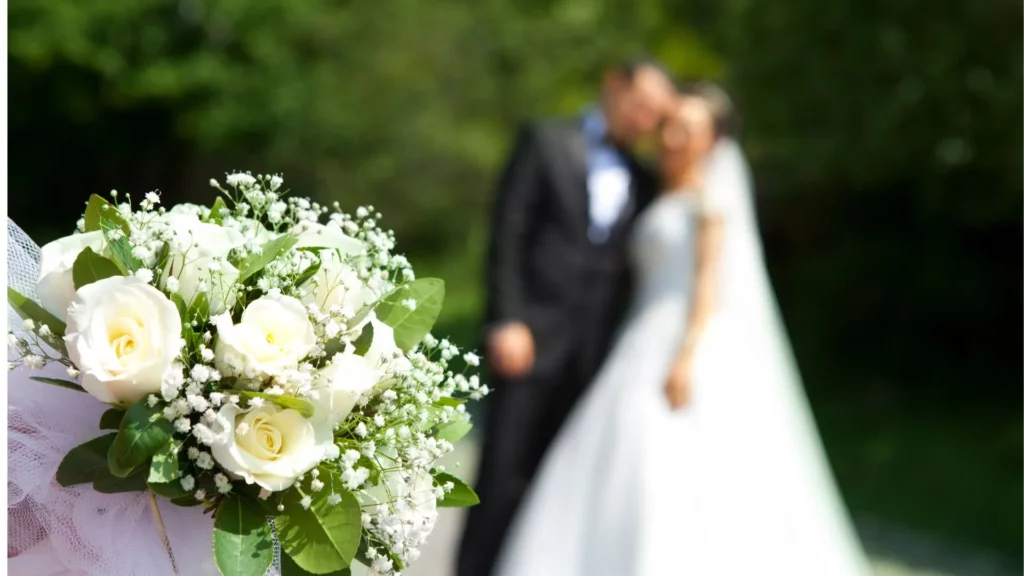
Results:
[885, 136]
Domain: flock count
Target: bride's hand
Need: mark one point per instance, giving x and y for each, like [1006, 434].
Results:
[678, 388]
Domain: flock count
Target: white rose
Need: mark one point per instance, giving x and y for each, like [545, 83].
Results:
[336, 284]
[200, 238]
[124, 336]
[202, 261]
[314, 235]
[272, 336]
[215, 276]
[56, 287]
[341, 384]
[383, 351]
[271, 446]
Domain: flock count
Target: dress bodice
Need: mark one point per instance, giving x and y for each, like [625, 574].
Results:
[663, 247]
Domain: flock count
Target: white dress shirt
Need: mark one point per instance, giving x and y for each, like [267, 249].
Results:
[608, 178]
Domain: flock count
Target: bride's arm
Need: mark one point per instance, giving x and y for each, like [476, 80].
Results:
[709, 243]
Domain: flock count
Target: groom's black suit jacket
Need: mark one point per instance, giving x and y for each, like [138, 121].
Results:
[544, 270]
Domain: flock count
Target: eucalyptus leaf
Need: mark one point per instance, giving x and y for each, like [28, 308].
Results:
[90, 267]
[300, 405]
[268, 252]
[411, 324]
[142, 433]
[461, 495]
[58, 382]
[324, 537]
[242, 541]
[29, 310]
[81, 463]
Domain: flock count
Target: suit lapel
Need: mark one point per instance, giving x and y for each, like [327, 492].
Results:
[570, 169]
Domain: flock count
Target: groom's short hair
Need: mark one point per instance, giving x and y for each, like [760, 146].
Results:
[629, 68]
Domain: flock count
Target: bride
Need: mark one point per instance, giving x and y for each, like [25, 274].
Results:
[694, 451]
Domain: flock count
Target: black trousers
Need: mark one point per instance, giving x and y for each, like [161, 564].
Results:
[524, 417]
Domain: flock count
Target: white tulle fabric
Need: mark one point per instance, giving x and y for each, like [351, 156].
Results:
[54, 530]
[736, 483]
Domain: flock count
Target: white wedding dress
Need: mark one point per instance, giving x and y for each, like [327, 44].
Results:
[734, 484]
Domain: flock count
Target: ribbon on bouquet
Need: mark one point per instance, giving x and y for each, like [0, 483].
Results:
[155, 509]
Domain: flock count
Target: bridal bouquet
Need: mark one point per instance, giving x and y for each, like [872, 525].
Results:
[274, 369]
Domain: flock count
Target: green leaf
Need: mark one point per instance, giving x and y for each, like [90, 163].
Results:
[216, 216]
[29, 310]
[199, 309]
[90, 267]
[111, 419]
[242, 542]
[453, 431]
[449, 401]
[82, 462]
[164, 466]
[365, 339]
[58, 382]
[257, 261]
[412, 325]
[461, 495]
[182, 307]
[99, 209]
[323, 538]
[304, 407]
[170, 490]
[142, 433]
[120, 248]
[290, 568]
[107, 483]
[184, 501]
[308, 273]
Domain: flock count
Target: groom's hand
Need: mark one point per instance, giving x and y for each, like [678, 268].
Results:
[511, 350]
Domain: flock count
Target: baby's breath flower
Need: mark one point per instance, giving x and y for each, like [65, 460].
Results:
[205, 461]
[306, 502]
[333, 499]
[187, 483]
[222, 482]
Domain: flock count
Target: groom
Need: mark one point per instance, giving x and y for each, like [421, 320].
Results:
[558, 282]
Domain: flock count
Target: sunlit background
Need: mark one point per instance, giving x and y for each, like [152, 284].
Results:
[885, 138]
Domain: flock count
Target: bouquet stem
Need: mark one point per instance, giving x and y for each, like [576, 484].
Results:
[155, 509]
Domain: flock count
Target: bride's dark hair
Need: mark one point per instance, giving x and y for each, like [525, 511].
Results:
[722, 108]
